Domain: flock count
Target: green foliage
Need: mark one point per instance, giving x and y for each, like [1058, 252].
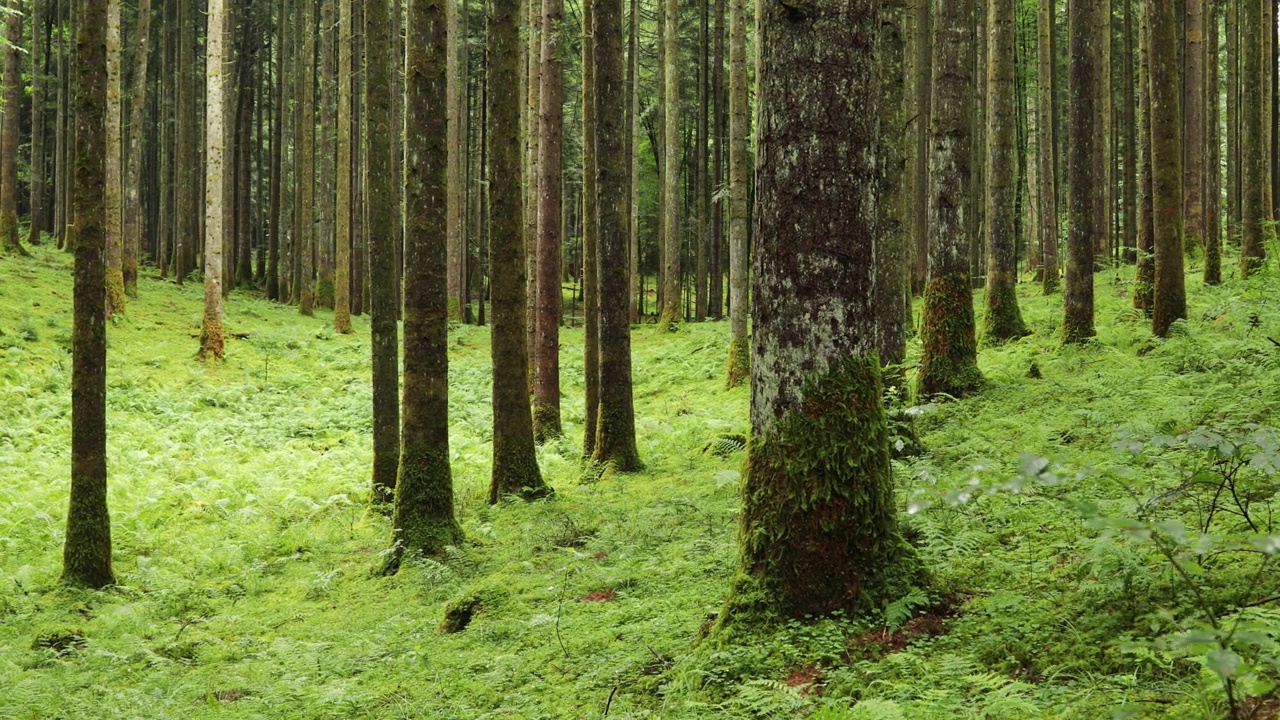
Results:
[246, 550]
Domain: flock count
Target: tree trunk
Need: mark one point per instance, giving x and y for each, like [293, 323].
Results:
[615, 425]
[590, 213]
[211, 339]
[702, 200]
[456, 189]
[1129, 131]
[306, 152]
[818, 527]
[716, 309]
[243, 186]
[633, 156]
[671, 273]
[515, 463]
[325, 149]
[1048, 162]
[533, 86]
[1253, 140]
[1233, 121]
[924, 117]
[424, 520]
[39, 69]
[184, 169]
[739, 129]
[342, 274]
[87, 550]
[1213, 155]
[948, 362]
[1002, 319]
[276, 191]
[133, 186]
[1083, 168]
[12, 126]
[1144, 280]
[1194, 125]
[1168, 197]
[383, 214]
[890, 238]
[546, 386]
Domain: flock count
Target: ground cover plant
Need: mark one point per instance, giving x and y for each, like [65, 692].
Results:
[1085, 559]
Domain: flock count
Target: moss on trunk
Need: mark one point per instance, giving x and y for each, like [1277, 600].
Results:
[949, 363]
[739, 362]
[423, 519]
[818, 531]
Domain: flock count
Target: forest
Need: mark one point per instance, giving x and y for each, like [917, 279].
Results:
[752, 359]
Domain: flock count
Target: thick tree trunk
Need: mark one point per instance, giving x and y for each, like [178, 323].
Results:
[615, 424]
[383, 216]
[86, 557]
[739, 128]
[1083, 168]
[671, 273]
[818, 527]
[424, 519]
[1002, 319]
[515, 463]
[211, 338]
[342, 268]
[546, 386]
[948, 362]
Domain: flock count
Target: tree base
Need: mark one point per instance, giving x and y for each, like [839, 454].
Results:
[949, 363]
[739, 362]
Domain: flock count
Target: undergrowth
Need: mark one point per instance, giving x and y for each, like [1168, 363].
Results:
[246, 551]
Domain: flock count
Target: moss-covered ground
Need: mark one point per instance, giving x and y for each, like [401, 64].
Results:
[247, 554]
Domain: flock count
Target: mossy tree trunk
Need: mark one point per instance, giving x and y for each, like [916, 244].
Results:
[671, 273]
[515, 462]
[457, 189]
[1144, 280]
[615, 424]
[1194, 121]
[590, 220]
[306, 154]
[546, 386]
[1047, 163]
[1253, 165]
[86, 557]
[115, 244]
[13, 85]
[949, 360]
[342, 268]
[818, 532]
[383, 217]
[1002, 320]
[1167, 195]
[890, 236]
[739, 262]
[423, 519]
[211, 335]
[1084, 81]
[133, 223]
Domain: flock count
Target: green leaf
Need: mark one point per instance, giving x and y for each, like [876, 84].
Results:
[1223, 661]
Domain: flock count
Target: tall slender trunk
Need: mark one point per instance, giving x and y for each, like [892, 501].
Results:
[924, 117]
[342, 268]
[1194, 124]
[39, 69]
[276, 190]
[455, 189]
[133, 166]
[633, 155]
[1144, 280]
[890, 239]
[533, 88]
[306, 175]
[1233, 121]
[1084, 167]
[702, 201]
[739, 128]
[1048, 162]
[590, 214]
[1213, 154]
[716, 309]
[671, 180]
[211, 339]
[9, 240]
[184, 121]
[546, 386]
[1253, 140]
[1129, 135]
[1167, 194]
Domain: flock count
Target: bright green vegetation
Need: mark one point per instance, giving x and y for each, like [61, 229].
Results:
[247, 556]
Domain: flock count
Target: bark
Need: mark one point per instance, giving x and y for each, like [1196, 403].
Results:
[378, 181]
[1233, 122]
[716, 309]
[39, 69]
[1253, 147]
[424, 519]
[133, 167]
[671, 272]
[739, 128]
[590, 285]
[456, 189]
[701, 190]
[633, 156]
[546, 386]
[1002, 319]
[515, 463]
[1167, 194]
[890, 232]
[325, 149]
[1129, 131]
[1213, 164]
[61, 139]
[948, 362]
[1047, 166]
[243, 183]
[1194, 124]
[9, 240]
[533, 85]
[1104, 200]
[305, 173]
[615, 425]
[86, 558]
[211, 336]
[924, 117]
[1083, 169]
[1144, 280]
[818, 531]
[184, 168]
[342, 274]
[276, 191]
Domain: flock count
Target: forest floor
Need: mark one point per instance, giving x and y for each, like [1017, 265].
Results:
[245, 547]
